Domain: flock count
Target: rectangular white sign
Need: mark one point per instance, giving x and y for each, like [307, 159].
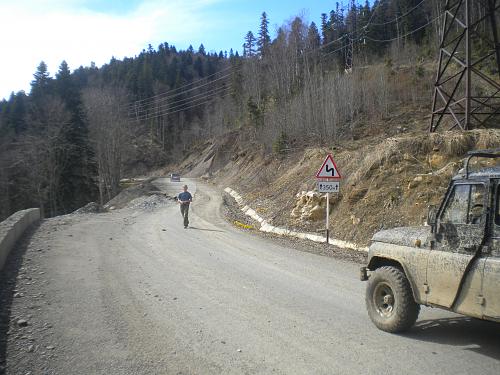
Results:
[328, 186]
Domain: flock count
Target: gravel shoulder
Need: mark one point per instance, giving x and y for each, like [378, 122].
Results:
[234, 216]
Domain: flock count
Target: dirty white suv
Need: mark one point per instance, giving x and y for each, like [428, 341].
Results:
[454, 263]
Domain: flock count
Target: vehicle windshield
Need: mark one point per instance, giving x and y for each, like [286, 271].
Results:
[465, 205]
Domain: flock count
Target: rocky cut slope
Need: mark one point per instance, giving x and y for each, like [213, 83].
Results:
[387, 181]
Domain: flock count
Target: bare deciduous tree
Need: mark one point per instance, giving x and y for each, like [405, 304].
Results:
[109, 134]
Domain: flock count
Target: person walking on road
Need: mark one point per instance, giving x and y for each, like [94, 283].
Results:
[184, 199]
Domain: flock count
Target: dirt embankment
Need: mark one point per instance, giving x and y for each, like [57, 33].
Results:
[388, 180]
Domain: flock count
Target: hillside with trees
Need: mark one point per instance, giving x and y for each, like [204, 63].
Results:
[72, 138]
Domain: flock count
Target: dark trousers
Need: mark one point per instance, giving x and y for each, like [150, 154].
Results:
[185, 213]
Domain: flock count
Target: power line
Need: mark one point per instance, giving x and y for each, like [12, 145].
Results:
[180, 101]
[181, 107]
[377, 6]
[370, 23]
[405, 35]
[399, 17]
[162, 100]
[167, 108]
[157, 115]
[140, 105]
[337, 50]
[134, 106]
[180, 87]
[386, 40]
[196, 105]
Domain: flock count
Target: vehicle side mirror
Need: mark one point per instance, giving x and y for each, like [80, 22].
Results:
[432, 216]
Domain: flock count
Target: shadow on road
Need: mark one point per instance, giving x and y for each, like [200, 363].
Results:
[206, 230]
[8, 277]
[471, 334]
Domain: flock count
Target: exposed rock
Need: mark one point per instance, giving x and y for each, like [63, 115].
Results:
[436, 161]
[310, 205]
[415, 182]
[355, 220]
[356, 194]
[90, 208]
[22, 323]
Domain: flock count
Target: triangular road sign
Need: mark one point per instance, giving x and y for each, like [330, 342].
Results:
[328, 169]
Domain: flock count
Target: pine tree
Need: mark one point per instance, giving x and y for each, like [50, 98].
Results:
[41, 84]
[324, 28]
[78, 187]
[313, 38]
[145, 80]
[198, 66]
[17, 113]
[249, 45]
[264, 39]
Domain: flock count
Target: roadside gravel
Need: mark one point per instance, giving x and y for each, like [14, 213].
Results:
[233, 214]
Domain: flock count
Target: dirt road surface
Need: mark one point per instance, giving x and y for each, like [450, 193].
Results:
[133, 292]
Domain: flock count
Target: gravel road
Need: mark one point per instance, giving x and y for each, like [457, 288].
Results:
[132, 292]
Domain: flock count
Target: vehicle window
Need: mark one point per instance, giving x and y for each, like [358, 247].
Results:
[497, 204]
[465, 205]
[476, 209]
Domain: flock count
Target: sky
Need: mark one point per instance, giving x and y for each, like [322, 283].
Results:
[85, 31]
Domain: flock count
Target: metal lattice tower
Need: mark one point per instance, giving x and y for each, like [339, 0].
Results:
[349, 53]
[467, 86]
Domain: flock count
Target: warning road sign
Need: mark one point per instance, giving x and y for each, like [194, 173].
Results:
[329, 169]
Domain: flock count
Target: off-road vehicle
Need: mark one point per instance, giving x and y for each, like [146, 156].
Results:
[453, 263]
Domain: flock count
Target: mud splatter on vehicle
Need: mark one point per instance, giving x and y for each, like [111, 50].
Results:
[454, 263]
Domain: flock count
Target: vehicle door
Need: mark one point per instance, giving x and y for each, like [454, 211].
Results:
[459, 234]
[491, 278]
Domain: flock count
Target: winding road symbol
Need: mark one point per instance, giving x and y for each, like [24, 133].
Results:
[328, 169]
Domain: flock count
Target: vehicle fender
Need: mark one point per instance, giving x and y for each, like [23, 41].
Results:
[411, 262]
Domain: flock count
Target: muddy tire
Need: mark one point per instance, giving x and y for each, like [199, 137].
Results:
[389, 300]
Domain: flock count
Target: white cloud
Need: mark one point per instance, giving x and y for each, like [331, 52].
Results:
[65, 30]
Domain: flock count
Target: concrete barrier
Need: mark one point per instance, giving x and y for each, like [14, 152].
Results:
[266, 227]
[12, 228]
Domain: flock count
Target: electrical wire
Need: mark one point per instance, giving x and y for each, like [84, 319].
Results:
[370, 23]
[355, 31]
[398, 17]
[180, 87]
[174, 109]
[140, 104]
[336, 50]
[167, 108]
[165, 99]
[405, 35]
[180, 101]
[157, 115]
[151, 99]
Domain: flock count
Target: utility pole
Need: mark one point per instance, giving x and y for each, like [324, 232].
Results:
[352, 36]
[466, 93]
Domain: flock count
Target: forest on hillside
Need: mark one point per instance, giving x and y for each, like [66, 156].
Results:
[72, 138]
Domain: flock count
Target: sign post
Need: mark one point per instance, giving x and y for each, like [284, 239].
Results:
[328, 178]
[328, 218]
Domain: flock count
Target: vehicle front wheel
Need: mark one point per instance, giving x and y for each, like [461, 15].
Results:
[389, 300]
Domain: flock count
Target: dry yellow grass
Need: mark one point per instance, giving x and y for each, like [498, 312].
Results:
[450, 144]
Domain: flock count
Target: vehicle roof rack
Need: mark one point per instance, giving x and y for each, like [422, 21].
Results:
[491, 153]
